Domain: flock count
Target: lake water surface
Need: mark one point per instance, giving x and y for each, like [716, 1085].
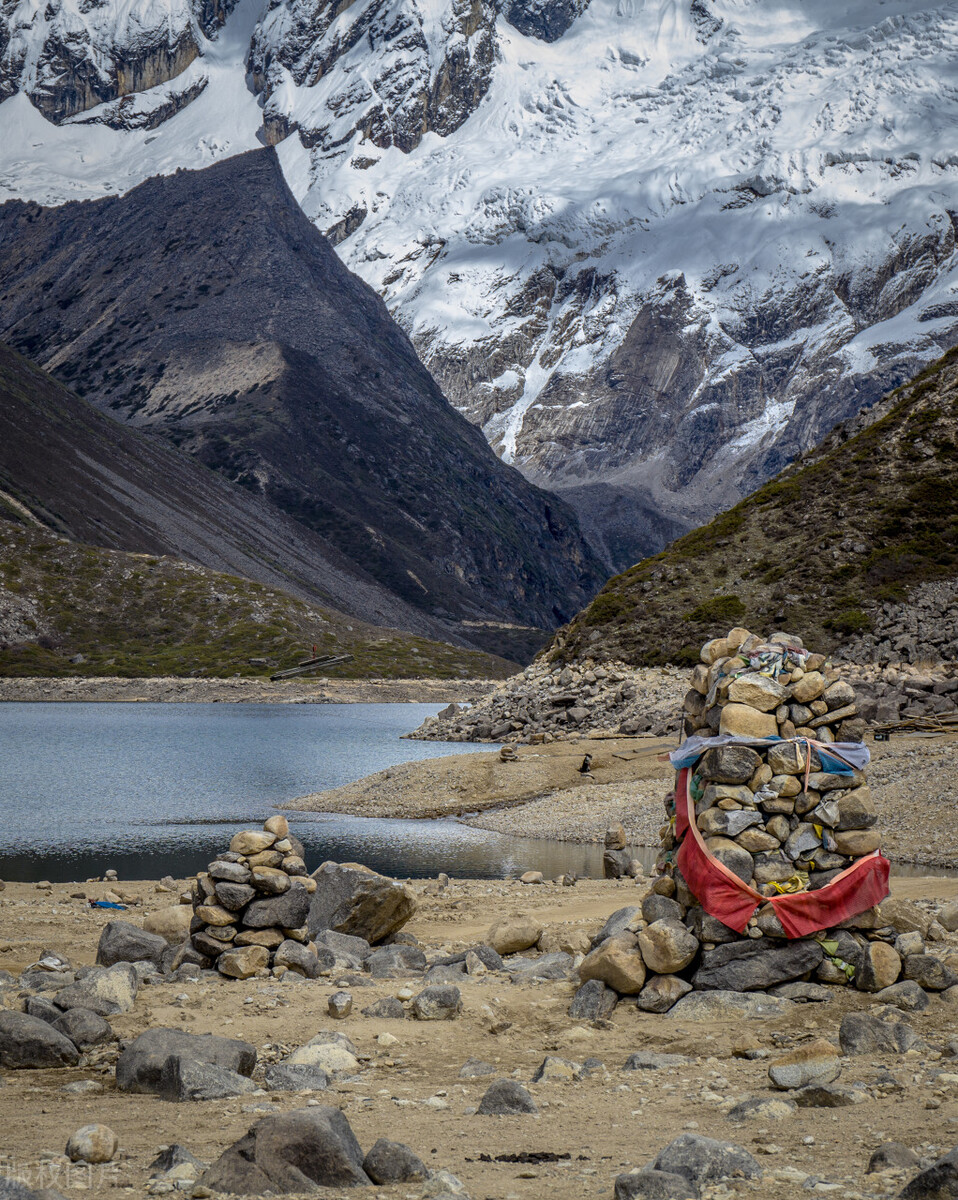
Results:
[156, 789]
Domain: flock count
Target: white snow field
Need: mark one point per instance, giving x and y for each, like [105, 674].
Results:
[666, 251]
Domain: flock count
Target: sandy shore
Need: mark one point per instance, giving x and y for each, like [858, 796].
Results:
[248, 691]
[543, 795]
[409, 1087]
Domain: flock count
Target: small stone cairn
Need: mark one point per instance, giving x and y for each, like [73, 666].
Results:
[753, 806]
[250, 907]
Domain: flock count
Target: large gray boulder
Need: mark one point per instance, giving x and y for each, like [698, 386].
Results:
[393, 1162]
[14, 1189]
[183, 1079]
[299, 1151]
[753, 965]
[506, 1098]
[939, 1182]
[350, 898]
[396, 962]
[140, 1066]
[351, 952]
[27, 1042]
[122, 942]
[860, 1033]
[704, 1160]
[83, 1027]
[105, 991]
[650, 1184]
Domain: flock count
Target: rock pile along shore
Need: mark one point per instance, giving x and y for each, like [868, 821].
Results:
[784, 817]
[251, 908]
[545, 702]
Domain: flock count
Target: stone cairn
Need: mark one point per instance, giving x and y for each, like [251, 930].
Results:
[778, 833]
[250, 908]
[753, 806]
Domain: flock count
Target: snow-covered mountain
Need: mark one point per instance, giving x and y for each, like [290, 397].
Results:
[654, 248]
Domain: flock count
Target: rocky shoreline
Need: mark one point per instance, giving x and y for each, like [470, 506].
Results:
[173, 690]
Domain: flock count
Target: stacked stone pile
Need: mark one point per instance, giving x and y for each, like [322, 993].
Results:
[545, 702]
[251, 907]
[782, 824]
[771, 816]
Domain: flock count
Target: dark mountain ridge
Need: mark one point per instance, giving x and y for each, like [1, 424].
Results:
[205, 307]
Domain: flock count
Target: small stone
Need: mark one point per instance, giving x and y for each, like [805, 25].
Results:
[295, 1077]
[553, 1069]
[333, 1057]
[270, 880]
[928, 972]
[340, 1004]
[860, 1033]
[816, 1062]
[729, 764]
[828, 1095]
[593, 1001]
[532, 877]
[907, 995]
[92, 1144]
[388, 1008]
[474, 1068]
[504, 1098]
[277, 825]
[294, 956]
[948, 916]
[757, 691]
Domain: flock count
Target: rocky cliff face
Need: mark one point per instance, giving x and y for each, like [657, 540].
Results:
[652, 249]
[204, 307]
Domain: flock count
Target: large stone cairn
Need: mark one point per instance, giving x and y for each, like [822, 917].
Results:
[758, 817]
[753, 806]
[251, 907]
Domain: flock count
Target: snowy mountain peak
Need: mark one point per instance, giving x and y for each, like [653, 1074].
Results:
[654, 248]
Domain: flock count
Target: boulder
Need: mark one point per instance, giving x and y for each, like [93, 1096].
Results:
[288, 911]
[83, 1027]
[388, 1008]
[513, 934]
[891, 1156]
[107, 992]
[294, 956]
[929, 972]
[878, 967]
[649, 1184]
[141, 1063]
[704, 1160]
[296, 1151]
[741, 720]
[906, 995]
[243, 962]
[330, 1054]
[27, 1043]
[738, 860]
[506, 1098]
[396, 962]
[121, 942]
[860, 1033]
[352, 899]
[617, 963]
[762, 1108]
[593, 1001]
[757, 691]
[828, 1095]
[351, 952]
[754, 965]
[439, 1003]
[816, 1062]
[729, 1006]
[667, 946]
[251, 841]
[182, 1079]
[234, 896]
[393, 1162]
[938, 1182]
[92, 1144]
[295, 1077]
[171, 924]
[661, 992]
[729, 764]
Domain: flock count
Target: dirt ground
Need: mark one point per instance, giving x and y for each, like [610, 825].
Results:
[410, 1090]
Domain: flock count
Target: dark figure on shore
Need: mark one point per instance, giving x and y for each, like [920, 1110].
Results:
[586, 768]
